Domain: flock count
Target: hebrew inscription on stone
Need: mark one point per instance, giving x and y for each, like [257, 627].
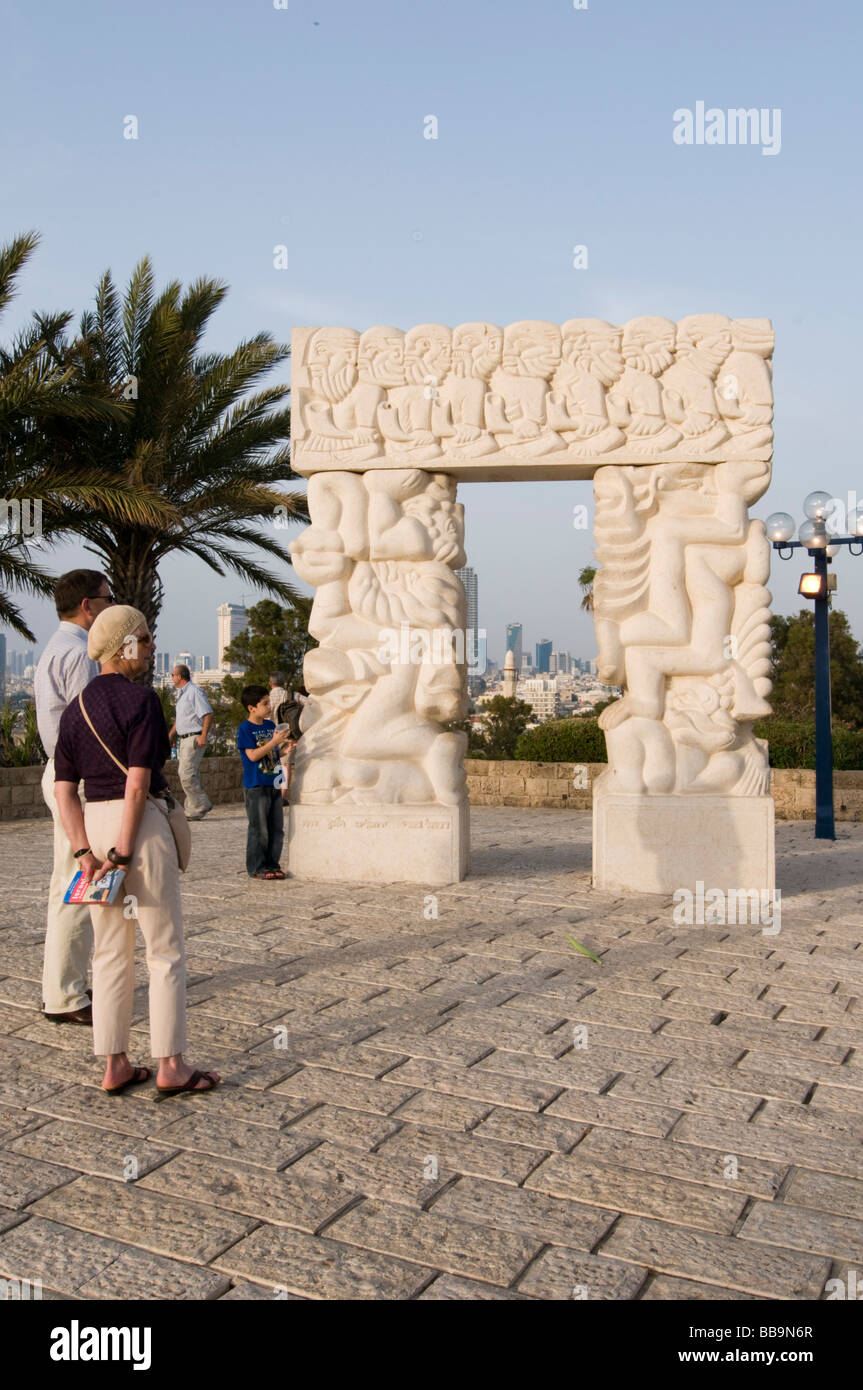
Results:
[534, 398]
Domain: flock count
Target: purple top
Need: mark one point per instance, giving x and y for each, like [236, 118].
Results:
[129, 718]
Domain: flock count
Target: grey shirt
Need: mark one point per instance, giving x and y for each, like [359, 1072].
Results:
[63, 671]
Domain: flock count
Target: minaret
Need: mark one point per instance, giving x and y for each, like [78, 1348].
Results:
[510, 676]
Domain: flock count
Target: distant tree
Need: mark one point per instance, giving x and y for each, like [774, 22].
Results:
[505, 721]
[585, 583]
[276, 639]
[793, 643]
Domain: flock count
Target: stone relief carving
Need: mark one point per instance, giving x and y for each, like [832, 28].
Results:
[649, 391]
[382, 550]
[682, 612]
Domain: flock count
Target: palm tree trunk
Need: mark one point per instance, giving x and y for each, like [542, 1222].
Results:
[134, 579]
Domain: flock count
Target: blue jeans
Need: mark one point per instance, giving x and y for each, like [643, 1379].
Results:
[266, 828]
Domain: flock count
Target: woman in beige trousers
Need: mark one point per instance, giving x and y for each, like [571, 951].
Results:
[121, 826]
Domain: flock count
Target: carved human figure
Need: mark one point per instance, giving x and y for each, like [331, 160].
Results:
[744, 389]
[337, 413]
[592, 362]
[516, 403]
[689, 384]
[635, 402]
[679, 593]
[405, 416]
[458, 414]
[374, 730]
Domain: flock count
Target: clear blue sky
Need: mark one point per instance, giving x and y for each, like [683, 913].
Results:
[304, 126]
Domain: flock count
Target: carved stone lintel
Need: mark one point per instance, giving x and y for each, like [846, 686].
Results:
[532, 400]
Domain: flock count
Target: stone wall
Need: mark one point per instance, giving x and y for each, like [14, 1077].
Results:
[553, 784]
[489, 784]
[21, 790]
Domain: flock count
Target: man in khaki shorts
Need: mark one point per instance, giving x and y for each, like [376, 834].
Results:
[63, 671]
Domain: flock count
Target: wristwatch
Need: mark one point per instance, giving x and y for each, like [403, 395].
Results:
[79, 853]
[120, 860]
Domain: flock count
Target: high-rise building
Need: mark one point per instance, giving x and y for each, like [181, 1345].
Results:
[468, 577]
[185, 659]
[232, 621]
[561, 662]
[203, 663]
[2, 667]
[513, 642]
[543, 654]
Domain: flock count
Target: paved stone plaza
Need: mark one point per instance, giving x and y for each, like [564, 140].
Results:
[405, 1115]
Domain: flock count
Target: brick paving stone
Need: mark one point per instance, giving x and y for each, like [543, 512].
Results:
[75, 1262]
[665, 1091]
[491, 1255]
[675, 1159]
[133, 1113]
[353, 1128]
[276, 1197]
[769, 1141]
[391, 1179]
[613, 1113]
[665, 1288]
[363, 1059]
[737, 1080]
[22, 1180]
[577, 1177]
[546, 1132]
[844, 1125]
[563, 1274]
[320, 1267]
[316, 1086]
[550, 1220]
[467, 1154]
[449, 1288]
[258, 1293]
[442, 1111]
[798, 1228]
[767, 1270]
[164, 1225]
[842, 1075]
[100, 1152]
[231, 1138]
[473, 1084]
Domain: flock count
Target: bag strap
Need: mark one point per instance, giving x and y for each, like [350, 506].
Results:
[168, 797]
[93, 730]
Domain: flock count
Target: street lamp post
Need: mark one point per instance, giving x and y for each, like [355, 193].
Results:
[822, 544]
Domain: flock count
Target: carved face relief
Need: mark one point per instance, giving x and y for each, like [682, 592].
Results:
[531, 349]
[648, 344]
[427, 353]
[477, 350]
[382, 357]
[332, 362]
[592, 345]
[703, 342]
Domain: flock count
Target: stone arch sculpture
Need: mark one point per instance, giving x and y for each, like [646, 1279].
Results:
[674, 424]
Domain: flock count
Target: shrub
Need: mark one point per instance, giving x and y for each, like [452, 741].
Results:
[563, 741]
[792, 743]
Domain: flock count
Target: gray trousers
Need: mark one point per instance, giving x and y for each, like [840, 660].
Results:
[189, 758]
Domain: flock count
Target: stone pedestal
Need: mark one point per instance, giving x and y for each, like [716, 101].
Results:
[380, 844]
[657, 844]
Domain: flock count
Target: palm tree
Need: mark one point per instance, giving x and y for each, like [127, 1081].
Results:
[585, 583]
[215, 456]
[41, 394]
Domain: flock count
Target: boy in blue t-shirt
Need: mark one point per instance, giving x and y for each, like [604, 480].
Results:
[259, 746]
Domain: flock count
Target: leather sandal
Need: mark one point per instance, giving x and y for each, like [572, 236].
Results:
[191, 1085]
[138, 1077]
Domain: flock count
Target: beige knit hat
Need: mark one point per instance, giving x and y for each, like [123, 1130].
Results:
[110, 630]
